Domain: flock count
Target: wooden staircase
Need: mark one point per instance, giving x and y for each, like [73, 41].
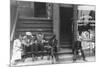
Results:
[66, 45]
[27, 22]
[34, 25]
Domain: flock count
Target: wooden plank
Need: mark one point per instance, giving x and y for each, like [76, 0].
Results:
[35, 21]
[35, 25]
[34, 30]
[32, 18]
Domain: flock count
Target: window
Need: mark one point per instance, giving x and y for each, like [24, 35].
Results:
[35, 9]
[40, 9]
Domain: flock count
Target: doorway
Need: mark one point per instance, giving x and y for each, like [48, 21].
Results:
[66, 19]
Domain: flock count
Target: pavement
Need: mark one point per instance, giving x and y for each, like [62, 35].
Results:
[63, 59]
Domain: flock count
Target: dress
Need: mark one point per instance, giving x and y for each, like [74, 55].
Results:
[16, 50]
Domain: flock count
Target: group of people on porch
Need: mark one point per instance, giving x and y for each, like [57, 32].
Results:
[27, 40]
[38, 40]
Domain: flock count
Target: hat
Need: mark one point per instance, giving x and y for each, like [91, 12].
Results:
[28, 33]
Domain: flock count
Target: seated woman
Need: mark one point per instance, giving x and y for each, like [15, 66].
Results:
[17, 50]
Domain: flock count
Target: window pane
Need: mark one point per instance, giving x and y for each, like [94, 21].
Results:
[40, 9]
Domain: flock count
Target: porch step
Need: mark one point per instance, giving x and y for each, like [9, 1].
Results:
[65, 51]
[66, 45]
[35, 25]
[33, 21]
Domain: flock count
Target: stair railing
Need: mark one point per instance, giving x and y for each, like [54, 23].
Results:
[14, 25]
[13, 33]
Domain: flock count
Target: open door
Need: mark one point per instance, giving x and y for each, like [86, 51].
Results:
[66, 15]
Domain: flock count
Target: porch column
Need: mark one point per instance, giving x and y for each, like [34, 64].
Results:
[75, 26]
[56, 22]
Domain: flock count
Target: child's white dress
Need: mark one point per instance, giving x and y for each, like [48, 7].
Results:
[16, 50]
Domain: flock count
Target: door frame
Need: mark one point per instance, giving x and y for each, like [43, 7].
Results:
[56, 21]
[65, 6]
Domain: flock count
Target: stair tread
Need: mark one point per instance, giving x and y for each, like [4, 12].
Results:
[34, 25]
[65, 42]
[65, 51]
[31, 29]
[32, 18]
[45, 33]
[66, 45]
[34, 21]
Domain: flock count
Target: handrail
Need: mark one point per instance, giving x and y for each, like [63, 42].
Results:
[15, 22]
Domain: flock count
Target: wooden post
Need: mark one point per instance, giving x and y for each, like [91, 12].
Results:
[56, 22]
[75, 26]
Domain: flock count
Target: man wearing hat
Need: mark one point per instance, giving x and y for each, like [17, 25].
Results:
[28, 41]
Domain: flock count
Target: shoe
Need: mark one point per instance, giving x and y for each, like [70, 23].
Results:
[74, 61]
[85, 60]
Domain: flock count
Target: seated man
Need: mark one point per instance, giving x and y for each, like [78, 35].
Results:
[28, 39]
[27, 43]
[53, 48]
[40, 42]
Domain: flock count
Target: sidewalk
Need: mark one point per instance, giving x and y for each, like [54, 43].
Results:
[70, 60]
[63, 59]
